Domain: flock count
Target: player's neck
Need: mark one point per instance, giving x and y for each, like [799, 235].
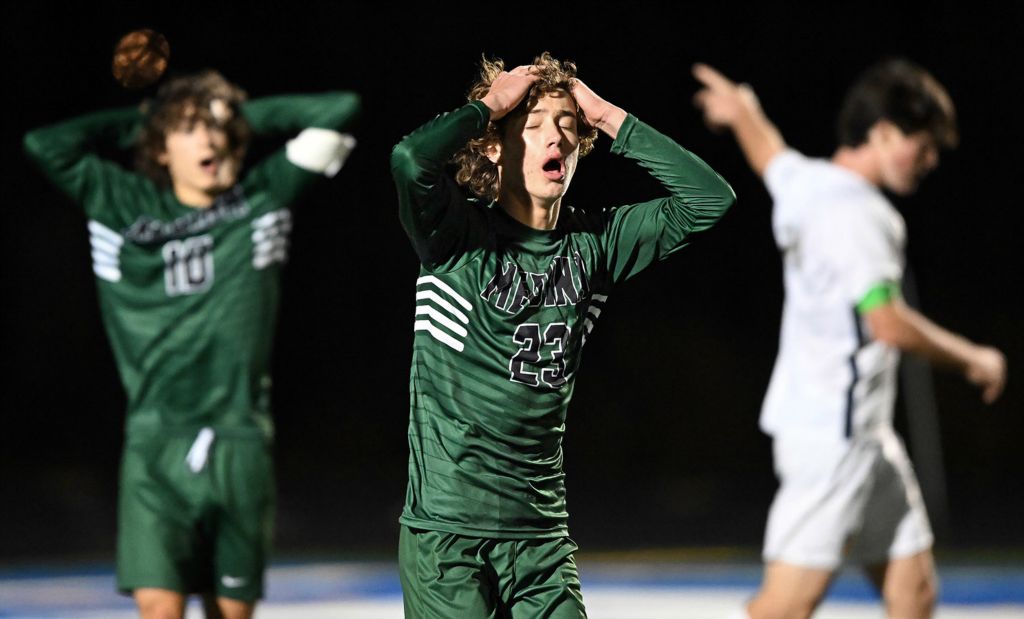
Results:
[861, 160]
[530, 211]
[193, 197]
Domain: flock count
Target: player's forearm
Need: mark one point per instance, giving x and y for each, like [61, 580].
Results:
[611, 121]
[758, 138]
[58, 148]
[698, 193]
[912, 332]
[292, 113]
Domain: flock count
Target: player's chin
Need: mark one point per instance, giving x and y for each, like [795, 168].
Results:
[557, 195]
[903, 187]
[224, 181]
[215, 188]
[907, 189]
[556, 188]
[547, 193]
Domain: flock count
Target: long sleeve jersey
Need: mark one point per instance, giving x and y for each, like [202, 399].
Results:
[502, 314]
[189, 295]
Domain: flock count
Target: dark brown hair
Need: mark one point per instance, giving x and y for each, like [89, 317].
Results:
[475, 170]
[902, 93]
[183, 101]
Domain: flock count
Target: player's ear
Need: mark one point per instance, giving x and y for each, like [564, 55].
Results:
[493, 152]
[882, 132]
[163, 157]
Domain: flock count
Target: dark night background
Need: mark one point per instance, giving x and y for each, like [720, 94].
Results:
[662, 447]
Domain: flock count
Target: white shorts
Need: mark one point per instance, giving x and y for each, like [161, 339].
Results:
[855, 500]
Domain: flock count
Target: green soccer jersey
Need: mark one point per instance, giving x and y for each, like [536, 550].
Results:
[502, 314]
[188, 295]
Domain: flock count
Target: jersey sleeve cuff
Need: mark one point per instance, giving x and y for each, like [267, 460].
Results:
[485, 112]
[622, 137]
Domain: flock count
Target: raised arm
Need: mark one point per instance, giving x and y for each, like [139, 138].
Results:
[899, 325]
[639, 234]
[418, 161]
[317, 122]
[599, 113]
[318, 146]
[429, 203]
[292, 113]
[67, 152]
[735, 107]
[431, 207]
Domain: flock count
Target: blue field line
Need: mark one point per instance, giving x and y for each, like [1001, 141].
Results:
[40, 591]
[43, 572]
[333, 581]
[959, 585]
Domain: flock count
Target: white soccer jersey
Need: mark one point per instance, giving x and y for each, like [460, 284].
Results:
[840, 237]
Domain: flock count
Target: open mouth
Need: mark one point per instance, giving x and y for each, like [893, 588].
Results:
[554, 169]
[209, 165]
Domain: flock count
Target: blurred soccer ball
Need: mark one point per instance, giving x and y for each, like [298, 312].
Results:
[140, 58]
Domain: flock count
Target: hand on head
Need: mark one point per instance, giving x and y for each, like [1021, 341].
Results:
[508, 89]
[598, 112]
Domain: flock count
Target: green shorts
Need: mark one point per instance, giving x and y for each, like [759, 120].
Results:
[195, 522]
[446, 575]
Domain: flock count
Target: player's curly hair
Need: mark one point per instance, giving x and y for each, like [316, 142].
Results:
[475, 170]
[185, 100]
[903, 93]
